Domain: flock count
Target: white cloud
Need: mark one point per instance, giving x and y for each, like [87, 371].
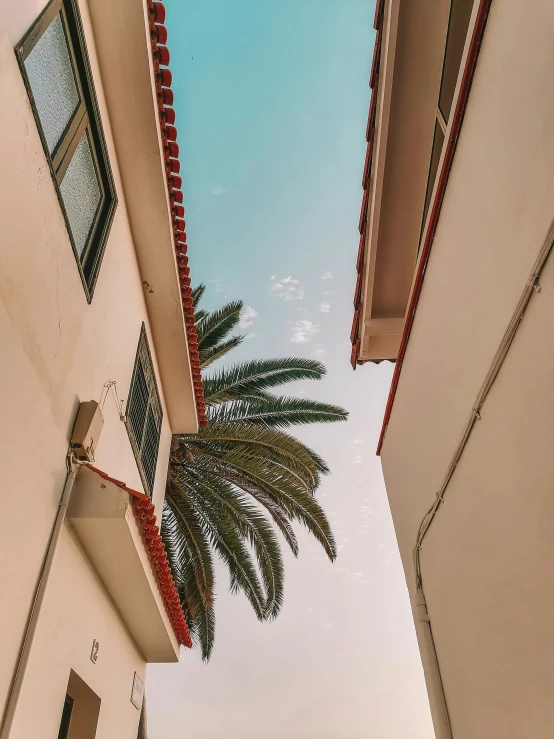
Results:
[328, 293]
[247, 316]
[325, 307]
[319, 351]
[357, 441]
[327, 275]
[250, 336]
[288, 288]
[218, 190]
[357, 459]
[303, 331]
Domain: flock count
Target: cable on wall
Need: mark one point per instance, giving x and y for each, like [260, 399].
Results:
[531, 288]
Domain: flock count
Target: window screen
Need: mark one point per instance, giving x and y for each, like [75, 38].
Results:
[55, 68]
[144, 414]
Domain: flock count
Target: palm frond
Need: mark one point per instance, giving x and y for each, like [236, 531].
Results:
[199, 316]
[218, 324]
[228, 543]
[197, 294]
[284, 489]
[275, 511]
[253, 526]
[200, 619]
[273, 445]
[188, 539]
[235, 483]
[277, 412]
[296, 502]
[252, 378]
[209, 356]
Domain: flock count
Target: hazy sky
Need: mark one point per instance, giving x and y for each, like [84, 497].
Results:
[272, 99]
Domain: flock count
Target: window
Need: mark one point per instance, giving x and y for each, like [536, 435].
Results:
[66, 717]
[56, 71]
[144, 414]
[458, 24]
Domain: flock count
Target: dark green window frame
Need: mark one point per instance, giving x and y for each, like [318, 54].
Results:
[144, 414]
[85, 120]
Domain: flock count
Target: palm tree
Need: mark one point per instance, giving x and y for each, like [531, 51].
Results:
[242, 479]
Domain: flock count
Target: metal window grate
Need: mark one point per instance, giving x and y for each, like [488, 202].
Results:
[144, 414]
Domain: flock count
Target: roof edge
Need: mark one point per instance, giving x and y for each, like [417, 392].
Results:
[164, 95]
[436, 207]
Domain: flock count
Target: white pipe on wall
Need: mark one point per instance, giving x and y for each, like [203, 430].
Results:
[435, 688]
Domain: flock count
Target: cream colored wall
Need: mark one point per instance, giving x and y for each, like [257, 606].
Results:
[57, 350]
[487, 559]
[77, 611]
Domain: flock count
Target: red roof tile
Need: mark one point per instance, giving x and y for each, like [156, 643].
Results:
[376, 58]
[160, 59]
[366, 179]
[379, 8]
[146, 519]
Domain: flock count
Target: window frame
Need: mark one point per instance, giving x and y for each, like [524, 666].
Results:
[85, 120]
[441, 122]
[67, 713]
[144, 357]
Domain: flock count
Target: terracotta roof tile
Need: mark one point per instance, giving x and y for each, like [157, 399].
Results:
[163, 77]
[376, 58]
[379, 8]
[366, 179]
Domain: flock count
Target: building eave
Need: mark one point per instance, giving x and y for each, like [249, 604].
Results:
[144, 513]
[366, 347]
[131, 42]
[462, 98]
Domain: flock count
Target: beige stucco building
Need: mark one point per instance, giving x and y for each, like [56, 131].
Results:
[456, 286]
[95, 304]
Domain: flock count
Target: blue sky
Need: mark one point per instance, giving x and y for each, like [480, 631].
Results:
[271, 101]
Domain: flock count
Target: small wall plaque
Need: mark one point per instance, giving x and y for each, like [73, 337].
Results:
[137, 692]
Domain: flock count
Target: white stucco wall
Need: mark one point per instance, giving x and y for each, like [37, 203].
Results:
[487, 559]
[56, 350]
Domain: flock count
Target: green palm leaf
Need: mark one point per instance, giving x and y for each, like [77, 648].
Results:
[197, 294]
[251, 379]
[233, 485]
[278, 412]
[227, 542]
[209, 356]
[216, 326]
[229, 503]
[219, 439]
[189, 540]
